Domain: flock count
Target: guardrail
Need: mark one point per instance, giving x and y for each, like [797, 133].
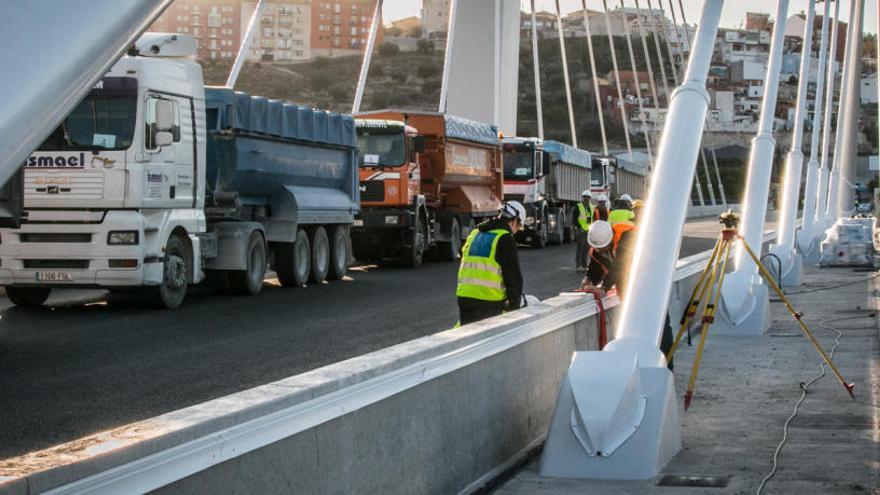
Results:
[441, 414]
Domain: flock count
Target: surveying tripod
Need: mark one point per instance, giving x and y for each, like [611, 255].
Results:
[708, 289]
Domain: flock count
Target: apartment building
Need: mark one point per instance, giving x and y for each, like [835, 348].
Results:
[282, 33]
[215, 24]
[435, 18]
[341, 27]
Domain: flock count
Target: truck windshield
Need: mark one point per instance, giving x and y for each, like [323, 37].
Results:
[104, 120]
[381, 149]
[597, 176]
[519, 164]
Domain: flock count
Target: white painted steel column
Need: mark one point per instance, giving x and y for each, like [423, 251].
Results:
[659, 233]
[806, 236]
[744, 295]
[447, 58]
[574, 139]
[831, 213]
[368, 56]
[537, 69]
[792, 263]
[245, 45]
[845, 166]
[595, 77]
[824, 164]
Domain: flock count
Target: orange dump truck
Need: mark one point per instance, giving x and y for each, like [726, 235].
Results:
[426, 180]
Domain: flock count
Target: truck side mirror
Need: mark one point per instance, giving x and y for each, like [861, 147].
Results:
[418, 144]
[164, 138]
[164, 116]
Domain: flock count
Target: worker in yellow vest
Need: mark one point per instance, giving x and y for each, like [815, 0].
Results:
[582, 222]
[623, 211]
[489, 279]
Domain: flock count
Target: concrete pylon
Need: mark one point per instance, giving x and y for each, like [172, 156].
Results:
[744, 295]
[792, 264]
[617, 415]
[483, 62]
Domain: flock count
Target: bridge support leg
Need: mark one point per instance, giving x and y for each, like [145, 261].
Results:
[616, 416]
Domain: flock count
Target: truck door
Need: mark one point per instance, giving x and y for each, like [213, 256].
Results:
[161, 122]
[184, 150]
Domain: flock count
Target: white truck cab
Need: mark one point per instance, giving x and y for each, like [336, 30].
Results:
[114, 197]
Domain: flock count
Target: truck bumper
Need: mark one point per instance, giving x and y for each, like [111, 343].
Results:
[77, 254]
[383, 218]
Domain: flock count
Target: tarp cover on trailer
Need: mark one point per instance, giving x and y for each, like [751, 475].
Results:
[568, 154]
[242, 112]
[469, 130]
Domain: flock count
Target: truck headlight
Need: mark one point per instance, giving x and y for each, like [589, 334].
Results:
[530, 220]
[122, 238]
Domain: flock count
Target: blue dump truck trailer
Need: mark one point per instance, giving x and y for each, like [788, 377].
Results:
[548, 177]
[288, 171]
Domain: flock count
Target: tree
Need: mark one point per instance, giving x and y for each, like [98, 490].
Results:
[415, 32]
[425, 46]
[388, 49]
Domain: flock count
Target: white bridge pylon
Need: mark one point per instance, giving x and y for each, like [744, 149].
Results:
[483, 62]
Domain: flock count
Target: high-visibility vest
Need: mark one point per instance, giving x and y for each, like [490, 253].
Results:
[621, 215]
[585, 216]
[619, 229]
[479, 276]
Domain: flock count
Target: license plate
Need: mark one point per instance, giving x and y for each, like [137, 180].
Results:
[54, 277]
[358, 223]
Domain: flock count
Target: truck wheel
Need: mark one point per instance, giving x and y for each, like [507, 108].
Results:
[320, 256]
[250, 280]
[539, 240]
[175, 273]
[451, 250]
[339, 253]
[416, 252]
[296, 263]
[558, 235]
[28, 297]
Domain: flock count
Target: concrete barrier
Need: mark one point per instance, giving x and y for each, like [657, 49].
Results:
[441, 414]
[710, 210]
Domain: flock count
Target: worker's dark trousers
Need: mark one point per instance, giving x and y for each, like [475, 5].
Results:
[583, 248]
[471, 310]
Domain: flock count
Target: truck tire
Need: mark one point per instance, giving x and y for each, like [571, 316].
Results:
[175, 273]
[320, 255]
[451, 251]
[340, 252]
[249, 281]
[293, 261]
[539, 240]
[28, 297]
[416, 252]
[557, 237]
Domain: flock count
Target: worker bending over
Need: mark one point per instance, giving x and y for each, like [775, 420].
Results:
[611, 253]
[581, 226]
[489, 279]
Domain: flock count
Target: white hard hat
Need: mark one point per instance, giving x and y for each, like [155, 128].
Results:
[602, 197]
[600, 234]
[514, 209]
[626, 197]
[587, 192]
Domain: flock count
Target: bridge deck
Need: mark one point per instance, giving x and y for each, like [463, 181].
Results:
[747, 388]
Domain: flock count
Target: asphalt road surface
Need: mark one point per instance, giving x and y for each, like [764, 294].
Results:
[75, 369]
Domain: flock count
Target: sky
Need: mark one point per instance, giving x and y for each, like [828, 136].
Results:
[733, 15]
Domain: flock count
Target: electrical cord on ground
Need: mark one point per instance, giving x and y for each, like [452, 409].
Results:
[805, 386]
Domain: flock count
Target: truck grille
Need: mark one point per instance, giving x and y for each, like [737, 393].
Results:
[56, 237]
[373, 190]
[70, 264]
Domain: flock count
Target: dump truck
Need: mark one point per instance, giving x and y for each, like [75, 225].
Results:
[547, 177]
[156, 182]
[426, 180]
[604, 176]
